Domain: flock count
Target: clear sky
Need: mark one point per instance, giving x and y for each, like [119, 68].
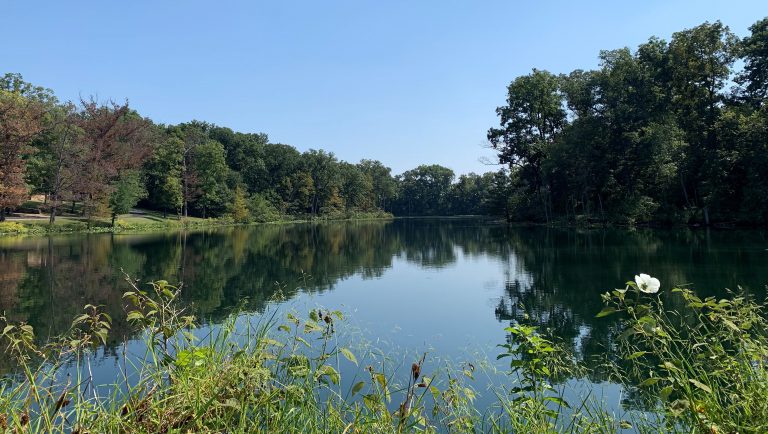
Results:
[404, 82]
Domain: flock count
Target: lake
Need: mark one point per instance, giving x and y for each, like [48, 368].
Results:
[443, 286]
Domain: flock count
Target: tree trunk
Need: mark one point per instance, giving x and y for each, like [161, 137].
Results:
[114, 216]
[2, 214]
[52, 217]
[602, 211]
[185, 193]
[706, 215]
[685, 191]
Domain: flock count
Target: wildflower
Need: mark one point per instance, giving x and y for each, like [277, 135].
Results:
[647, 284]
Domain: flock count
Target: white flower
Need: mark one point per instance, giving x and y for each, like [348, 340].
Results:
[647, 284]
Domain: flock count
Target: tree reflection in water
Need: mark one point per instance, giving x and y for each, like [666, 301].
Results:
[553, 277]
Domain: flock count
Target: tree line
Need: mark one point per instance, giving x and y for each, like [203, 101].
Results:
[673, 132]
[93, 159]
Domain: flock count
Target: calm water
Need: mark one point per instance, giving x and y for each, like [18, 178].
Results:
[444, 286]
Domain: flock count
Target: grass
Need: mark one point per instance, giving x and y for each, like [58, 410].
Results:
[702, 367]
[151, 221]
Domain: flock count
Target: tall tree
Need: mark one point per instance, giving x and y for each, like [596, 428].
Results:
[529, 124]
[382, 183]
[700, 62]
[211, 174]
[323, 168]
[55, 164]
[754, 50]
[164, 174]
[21, 119]
[114, 140]
[425, 190]
[192, 134]
[127, 190]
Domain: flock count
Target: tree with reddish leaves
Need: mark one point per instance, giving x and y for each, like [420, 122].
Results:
[21, 119]
[114, 140]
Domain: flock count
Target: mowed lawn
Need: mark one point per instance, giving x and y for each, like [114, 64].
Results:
[140, 217]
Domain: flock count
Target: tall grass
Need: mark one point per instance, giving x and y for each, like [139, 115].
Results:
[283, 373]
[705, 359]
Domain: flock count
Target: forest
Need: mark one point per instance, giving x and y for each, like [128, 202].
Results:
[672, 132]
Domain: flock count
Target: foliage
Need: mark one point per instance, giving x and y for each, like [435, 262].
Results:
[21, 119]
[271, 374]
[424, 191]
[12, 228]
[650, 136]
[239, 209]
[673, 132]
[705, 358]
[128, 189]
[261, 210]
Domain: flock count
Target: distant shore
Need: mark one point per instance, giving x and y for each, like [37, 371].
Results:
[151, 223]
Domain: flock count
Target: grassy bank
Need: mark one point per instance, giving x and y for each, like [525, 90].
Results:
[701, 368]
[152, 222]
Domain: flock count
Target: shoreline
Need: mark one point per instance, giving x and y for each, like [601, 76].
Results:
[41, 227]
[27, 228]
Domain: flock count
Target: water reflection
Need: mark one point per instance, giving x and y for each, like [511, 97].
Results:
[551, 277]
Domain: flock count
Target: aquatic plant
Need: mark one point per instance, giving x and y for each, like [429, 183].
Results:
[701, 365]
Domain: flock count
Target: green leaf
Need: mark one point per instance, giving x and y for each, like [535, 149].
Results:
[330, 372]
[557, 400]
[731, 325]
[665, 392]
[135, 315]
[79, 319]
[357, 387]
[700, 385]
[608, 310]
[273, 342]
[637, 354]
[370, 401]
[650, 381]
[348, 354]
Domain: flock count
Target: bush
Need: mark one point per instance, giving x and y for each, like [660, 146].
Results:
[262, 210]
[13, 228]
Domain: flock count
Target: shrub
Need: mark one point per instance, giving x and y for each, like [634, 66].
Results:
[12, 228]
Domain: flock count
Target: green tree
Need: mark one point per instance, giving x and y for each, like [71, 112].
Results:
[244, 155]
[529, 124]
[211, 173]
[383, 185]
[128, 189]
[425, 190]
[754, 51]
[323, 168]
[239, 209]
[164, 175]
[700, 62]
[356, 187]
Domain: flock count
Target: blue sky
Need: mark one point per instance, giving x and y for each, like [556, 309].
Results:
[404, 82]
